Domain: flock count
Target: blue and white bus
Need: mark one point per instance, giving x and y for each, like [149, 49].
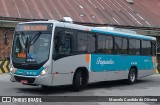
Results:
[52, 53]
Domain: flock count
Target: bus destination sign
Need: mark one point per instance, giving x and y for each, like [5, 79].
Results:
[34, 27]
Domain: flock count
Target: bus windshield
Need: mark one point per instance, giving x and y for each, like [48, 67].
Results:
[31, 47]
[31, 44]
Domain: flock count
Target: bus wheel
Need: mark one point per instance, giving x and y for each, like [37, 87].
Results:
[132, 76]
[77, 81]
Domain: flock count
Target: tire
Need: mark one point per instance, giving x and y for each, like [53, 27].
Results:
[77, 81]
[132, 76]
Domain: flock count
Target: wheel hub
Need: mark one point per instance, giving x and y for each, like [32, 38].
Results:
[132, 77]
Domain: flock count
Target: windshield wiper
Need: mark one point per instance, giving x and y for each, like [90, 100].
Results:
[27, 46]
[34, 39]
[30, 41]
[22, 37]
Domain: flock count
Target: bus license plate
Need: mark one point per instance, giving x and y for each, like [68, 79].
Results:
[24, 81]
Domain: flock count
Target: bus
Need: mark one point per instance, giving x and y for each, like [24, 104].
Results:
[53, 53]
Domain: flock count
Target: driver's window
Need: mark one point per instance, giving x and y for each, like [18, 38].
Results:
[62, 42]
[59, 43]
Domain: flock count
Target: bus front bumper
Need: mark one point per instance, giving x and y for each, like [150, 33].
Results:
[32, 80]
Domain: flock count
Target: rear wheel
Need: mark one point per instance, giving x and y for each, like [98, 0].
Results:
[132, 76]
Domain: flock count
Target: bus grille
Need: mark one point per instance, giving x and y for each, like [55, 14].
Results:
[30, 80]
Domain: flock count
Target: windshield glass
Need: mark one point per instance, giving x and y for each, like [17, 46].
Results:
[31, 47]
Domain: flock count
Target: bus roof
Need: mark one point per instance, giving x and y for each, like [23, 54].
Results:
[122, 34]
[96, 30]
[109, 32]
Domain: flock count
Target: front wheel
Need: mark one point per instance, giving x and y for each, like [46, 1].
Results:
[132, 76]
[77, 81]
[80, 80]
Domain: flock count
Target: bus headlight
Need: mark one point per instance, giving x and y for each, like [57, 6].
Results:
[13, 70]
[44, 71]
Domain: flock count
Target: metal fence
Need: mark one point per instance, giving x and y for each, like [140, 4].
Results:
[6, 36]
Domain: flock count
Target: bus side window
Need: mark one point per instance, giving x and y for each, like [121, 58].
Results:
[101, 48]
[118, 45]
[68, 43]
[146, 48]
[153, 48]
[59, 41]
[56, 42]
[62, 42]
[134, 47]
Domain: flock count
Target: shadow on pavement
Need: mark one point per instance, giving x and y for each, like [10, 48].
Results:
[68, 89]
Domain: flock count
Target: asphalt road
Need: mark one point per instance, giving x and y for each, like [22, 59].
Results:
[148, 86]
